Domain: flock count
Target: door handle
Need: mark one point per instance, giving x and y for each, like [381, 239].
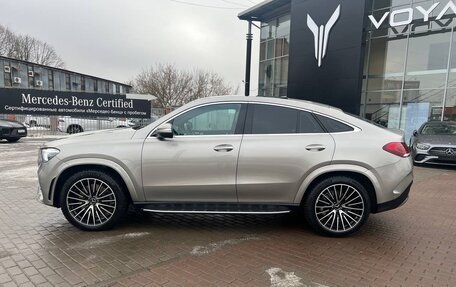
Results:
[224, 148]
[315, 147]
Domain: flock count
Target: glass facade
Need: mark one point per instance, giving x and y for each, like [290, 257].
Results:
[410, 70]
[274, 47]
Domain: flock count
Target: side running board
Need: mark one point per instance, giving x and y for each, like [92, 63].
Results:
[213, 208]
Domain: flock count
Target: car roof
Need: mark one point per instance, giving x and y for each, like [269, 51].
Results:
[440, 123]
[272, 100]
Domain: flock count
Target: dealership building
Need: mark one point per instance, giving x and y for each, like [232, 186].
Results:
[17, 74]
[390, 61]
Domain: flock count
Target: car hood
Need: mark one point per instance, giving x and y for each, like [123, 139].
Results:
[10, 124]
[95, 136]
[437, 139]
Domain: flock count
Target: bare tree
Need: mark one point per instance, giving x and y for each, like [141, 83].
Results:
[45, 54]
[28, 48]
[7, 42]
[174, 87]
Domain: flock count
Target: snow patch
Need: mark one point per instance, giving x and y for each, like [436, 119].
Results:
[25, 173]
[280, 278]
[93, 243]
[203, 250]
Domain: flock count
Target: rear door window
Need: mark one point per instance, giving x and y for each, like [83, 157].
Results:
[334, 126]
[308, 124]
[268, 119]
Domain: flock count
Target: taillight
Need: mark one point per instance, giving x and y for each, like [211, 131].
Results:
[397, 148]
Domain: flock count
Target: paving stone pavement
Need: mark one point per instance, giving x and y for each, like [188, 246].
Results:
[414, 245]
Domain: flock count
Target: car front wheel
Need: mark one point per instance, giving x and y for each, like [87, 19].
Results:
[337, 206]
[13, 140]
[93, 200]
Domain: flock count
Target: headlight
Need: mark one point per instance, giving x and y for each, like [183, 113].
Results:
[46, 154]
[422, 146]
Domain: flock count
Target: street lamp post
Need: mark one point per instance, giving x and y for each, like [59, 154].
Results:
[248, 60]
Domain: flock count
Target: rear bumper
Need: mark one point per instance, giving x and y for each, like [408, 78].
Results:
[395, 203]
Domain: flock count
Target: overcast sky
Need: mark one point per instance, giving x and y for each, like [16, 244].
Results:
[116, 39]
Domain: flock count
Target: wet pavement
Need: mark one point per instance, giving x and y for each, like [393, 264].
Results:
[414, 245]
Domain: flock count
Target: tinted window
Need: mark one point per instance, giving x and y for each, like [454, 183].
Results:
[208, 120]
[333, 126]
[308, 124]
[267, 119]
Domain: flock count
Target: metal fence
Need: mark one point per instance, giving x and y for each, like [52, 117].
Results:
[61, 126]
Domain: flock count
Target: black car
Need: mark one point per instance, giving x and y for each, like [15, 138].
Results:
[12, 131]
[435, 143]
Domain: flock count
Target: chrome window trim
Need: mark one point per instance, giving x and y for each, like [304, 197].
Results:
[287, 134]
[355, 128]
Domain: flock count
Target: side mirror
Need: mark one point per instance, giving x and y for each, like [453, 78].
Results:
[415, 133]
[164, 131]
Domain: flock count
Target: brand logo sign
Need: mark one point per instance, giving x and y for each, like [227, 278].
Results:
[42, 102]
[450, 151]
[407, 15]
[321, 34]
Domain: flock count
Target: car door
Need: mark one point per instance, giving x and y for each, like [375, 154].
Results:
[280, 146]
[199, 163]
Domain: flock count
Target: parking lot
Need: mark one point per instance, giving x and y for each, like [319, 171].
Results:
[414, 245]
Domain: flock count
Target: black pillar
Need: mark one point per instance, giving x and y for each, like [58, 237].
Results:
[248, 60]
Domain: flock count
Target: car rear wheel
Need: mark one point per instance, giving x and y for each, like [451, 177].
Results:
[93, 200]
[337, 206]
[12, 140]
[74, 129]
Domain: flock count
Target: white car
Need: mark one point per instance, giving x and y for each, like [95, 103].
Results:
[232, 155]
[37, 121]
[77, 125]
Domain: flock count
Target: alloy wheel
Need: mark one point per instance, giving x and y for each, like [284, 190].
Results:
[339, 208]
[91, 202]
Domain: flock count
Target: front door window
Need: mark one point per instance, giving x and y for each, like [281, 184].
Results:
[220, 119]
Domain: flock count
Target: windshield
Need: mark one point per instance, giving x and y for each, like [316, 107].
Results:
[439, 129]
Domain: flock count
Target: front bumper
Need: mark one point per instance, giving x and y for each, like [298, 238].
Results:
[39, 195]
[47, 173]
[12, 133]
[443, 155]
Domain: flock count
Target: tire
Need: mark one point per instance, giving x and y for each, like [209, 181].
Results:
[89, 211]
[329, 214]
[13, 140]
[74, 129]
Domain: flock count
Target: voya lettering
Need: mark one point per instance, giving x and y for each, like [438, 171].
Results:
[409, 13]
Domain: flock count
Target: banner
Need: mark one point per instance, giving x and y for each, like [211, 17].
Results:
[75, 104]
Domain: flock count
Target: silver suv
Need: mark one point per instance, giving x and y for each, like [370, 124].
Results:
[232, 155]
